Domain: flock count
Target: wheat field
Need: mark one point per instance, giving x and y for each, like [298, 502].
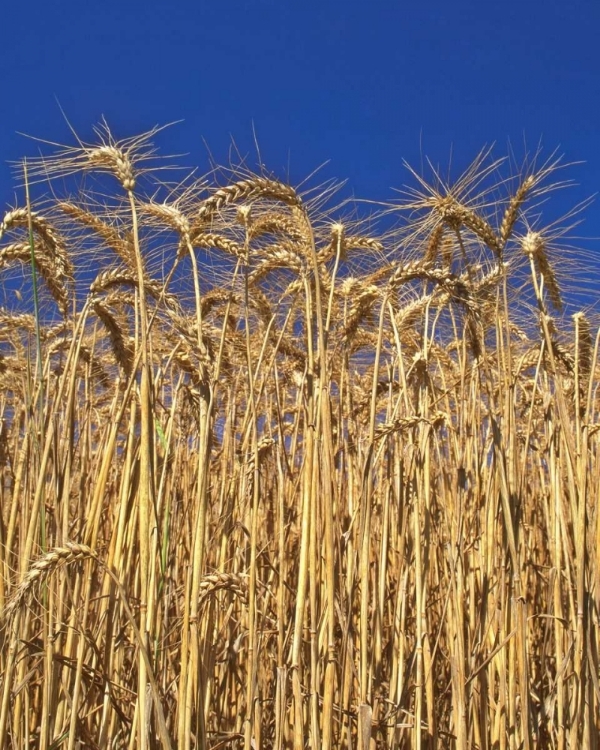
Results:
[280, 473]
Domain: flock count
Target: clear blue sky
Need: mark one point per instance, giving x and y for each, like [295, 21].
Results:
[362, 84]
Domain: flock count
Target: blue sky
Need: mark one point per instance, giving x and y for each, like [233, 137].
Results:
[361, 84]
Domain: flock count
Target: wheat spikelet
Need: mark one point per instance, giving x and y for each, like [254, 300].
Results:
[347, 243]
[474, 331]
[279, 260]
[122, 349]
[115, 277]
[441, 352]
[212, 299]
[198, 364]
[527, 361]
[243, 215]
[9, 321]
[534, 246]
[122, 277]
[296, 355]
[386, 270]
[455, 215]
[284, 254]
[256, 187]
[335, 244]
[362, 243]
[301, 219]
[482, 229]
[276, 223]
[121, 244]
[200, 238]
[260, 302]
[447, 243]
[194, 359]
[512, 211]
[405, 423]
[20, 217]
[119, 158]
[482, 285]
[418, 270]
[232, 582]
[263, 270]
[169, 215]
[115, 160]
[49, 236]
[262, 448]
[85, 356]
[584, 342]
[408, 313]
[434, 243]
[293, 288]
[350, 286]
[54, 279]
[563, 356]
[360, 307]
[62, 328]
[42, 568]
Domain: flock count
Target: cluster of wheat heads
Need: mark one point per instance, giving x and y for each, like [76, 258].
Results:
[274, 478]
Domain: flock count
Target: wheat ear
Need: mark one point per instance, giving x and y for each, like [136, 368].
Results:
[41, 569]
[257, 187]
